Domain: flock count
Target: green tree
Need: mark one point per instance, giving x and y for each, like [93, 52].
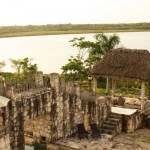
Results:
[89, 53]
[16, 64]
[75, 69]
[107, 42]
[27, 67]
[24, 66]
[2, 64]
[95, 50]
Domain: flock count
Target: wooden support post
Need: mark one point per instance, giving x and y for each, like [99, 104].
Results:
[94, 84]
[108, 84]
[142, 94]
[113, 87]
[143, 90]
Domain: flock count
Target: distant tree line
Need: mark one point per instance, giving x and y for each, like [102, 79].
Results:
[70, 28]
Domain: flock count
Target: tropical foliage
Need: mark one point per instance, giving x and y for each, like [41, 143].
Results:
[23, 66]
[75, 69]
[89, 53]
[2, 64]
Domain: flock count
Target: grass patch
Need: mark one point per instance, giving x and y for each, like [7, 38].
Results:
[103, 92]
[131, 92]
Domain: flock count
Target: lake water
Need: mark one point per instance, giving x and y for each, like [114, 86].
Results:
[29, 147]
[51, 52]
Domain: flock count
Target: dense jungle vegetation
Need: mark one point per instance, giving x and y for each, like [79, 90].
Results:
[50, 29]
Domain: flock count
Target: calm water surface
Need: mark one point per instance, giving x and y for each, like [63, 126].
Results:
[29, 147]
[52, 51]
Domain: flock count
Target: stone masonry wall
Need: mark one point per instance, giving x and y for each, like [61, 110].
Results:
[53, 112]
[42, 128]
[67, 108]
[133, 122]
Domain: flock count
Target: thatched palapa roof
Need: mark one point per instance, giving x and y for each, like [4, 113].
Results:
[127, 63]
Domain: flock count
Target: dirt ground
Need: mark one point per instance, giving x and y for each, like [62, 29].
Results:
[139, 140]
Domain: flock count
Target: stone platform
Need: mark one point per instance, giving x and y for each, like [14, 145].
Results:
[74, 143]
[106, 142]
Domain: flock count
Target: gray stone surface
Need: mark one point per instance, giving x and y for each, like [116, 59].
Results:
[53, 112]
[4, 143]
[88, 144]
[104, 143]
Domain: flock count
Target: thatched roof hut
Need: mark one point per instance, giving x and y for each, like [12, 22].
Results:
[126, 63]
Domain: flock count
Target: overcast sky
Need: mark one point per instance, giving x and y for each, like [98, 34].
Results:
[24, 12]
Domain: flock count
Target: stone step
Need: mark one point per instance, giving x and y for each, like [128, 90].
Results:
[113, 115]
[111, 123]
[107, 131]
[108, 126]
[116, 120]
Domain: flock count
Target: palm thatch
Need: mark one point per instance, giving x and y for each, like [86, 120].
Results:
[129, 63]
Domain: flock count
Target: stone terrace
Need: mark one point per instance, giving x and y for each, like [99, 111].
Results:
[104, 143]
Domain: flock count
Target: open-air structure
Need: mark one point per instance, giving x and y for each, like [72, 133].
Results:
[44, 110]
[123, 63]
[120, 64]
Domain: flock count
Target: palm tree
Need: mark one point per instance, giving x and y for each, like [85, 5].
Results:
[107, 43]
[92, 51]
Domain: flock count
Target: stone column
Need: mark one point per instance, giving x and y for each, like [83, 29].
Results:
[79, 114]
[39, 79]
[54, 81]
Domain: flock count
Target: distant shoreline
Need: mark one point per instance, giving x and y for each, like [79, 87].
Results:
[32, 30]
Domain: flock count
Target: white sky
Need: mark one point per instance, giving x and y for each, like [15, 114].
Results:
[24, 12]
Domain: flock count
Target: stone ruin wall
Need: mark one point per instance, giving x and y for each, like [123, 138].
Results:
[4, 135]
[53, 112]
[68, 108]
[133, 122]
